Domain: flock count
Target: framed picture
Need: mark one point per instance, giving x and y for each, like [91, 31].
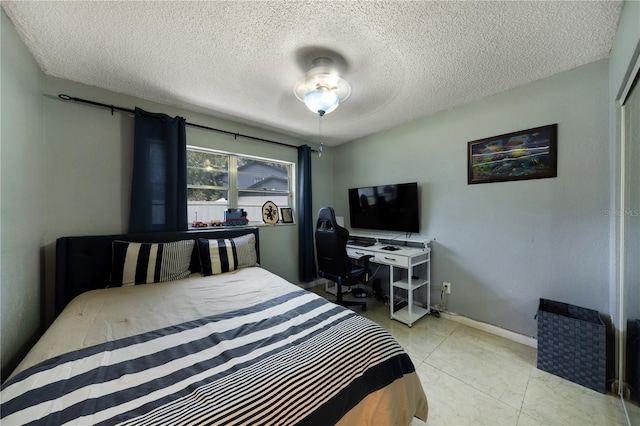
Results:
[287, 214]
[527, 154]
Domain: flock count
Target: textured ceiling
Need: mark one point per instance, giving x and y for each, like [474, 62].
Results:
[241, 59]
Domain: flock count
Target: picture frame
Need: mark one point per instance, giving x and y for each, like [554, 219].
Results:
[522, 155]
[287, 214]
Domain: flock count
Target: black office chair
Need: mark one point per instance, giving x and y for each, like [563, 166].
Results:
[333, 262]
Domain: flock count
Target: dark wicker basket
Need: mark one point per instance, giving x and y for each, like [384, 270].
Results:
[572, 344]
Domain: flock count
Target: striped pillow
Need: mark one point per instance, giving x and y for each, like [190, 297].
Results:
[224, 255]
[143, 263]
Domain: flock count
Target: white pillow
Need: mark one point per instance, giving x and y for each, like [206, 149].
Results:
[224, 255]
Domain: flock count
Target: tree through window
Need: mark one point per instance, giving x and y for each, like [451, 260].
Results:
[217, 181]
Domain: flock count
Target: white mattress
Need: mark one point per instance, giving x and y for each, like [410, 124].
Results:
[246, 296]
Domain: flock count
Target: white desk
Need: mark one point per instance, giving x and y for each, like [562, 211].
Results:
[405, 259]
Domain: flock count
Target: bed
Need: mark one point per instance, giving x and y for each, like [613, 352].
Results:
[230, 343]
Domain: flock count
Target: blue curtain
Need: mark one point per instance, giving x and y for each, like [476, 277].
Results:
[159, 184]
[306, 256]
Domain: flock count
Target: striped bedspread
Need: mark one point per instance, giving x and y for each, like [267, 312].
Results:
[288, 359]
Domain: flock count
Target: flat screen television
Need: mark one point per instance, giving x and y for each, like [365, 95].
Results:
[386, 207]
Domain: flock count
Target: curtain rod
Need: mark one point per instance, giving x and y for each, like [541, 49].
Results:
[199, 126]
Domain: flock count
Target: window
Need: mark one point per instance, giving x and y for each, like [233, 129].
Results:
[217, 181]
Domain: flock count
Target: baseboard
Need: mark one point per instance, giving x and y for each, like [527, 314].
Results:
[498, 331]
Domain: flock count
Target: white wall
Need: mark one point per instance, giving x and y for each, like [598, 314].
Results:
[23, 167]
[505, 245]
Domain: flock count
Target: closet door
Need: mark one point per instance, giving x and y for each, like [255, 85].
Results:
[630, 216]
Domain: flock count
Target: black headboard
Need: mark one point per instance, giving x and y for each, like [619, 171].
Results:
[84, 263]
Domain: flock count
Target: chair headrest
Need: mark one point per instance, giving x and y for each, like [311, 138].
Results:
[326, 219]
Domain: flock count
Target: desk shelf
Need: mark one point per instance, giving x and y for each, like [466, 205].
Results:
[405, 258]
[404, 284]
[404, 316]
[412, 312]
[415, 240]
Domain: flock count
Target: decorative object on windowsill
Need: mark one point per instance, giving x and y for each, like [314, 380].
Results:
[287, 214]
[235, 217]
[270, 212]
[527, 154]
[322, 89]
[198, 224]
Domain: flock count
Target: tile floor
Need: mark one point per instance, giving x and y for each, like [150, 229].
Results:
[475, 378]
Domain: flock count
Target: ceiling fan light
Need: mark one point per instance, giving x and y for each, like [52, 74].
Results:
[321, 101]
[322, 89]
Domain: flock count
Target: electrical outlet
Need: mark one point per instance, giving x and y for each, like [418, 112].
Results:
[446, 287]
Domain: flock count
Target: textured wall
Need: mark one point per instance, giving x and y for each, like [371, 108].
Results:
[505, 245]
[23, 172]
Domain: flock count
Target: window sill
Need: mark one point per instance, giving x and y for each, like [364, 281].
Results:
[249, 225]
